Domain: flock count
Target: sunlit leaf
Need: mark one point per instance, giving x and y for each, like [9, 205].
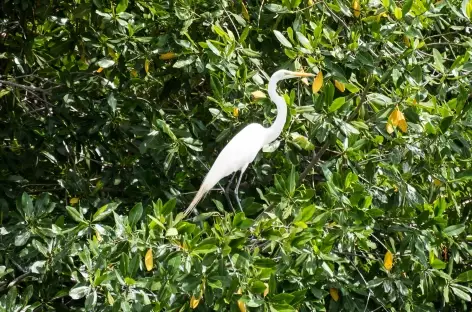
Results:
[388, 260]
[258, 95]
[73, 200]
[339, 85]
[317, 82]
[167, 56]
[356, 6]
[146, 66]
[148, 260]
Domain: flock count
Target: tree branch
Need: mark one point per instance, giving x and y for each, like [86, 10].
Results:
[314, 161]
[370, 80]
[17, 85]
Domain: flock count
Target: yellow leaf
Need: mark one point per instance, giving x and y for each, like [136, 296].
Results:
[356, 6]
[402, 124]
[388, 260]
[398, 13]
[468, 9]
[99, 237]
[167, 56]
[235, 112]
[318, 82]
[339, 85]
[194, 302]
[383, 14]
[406, 41]
[395, 119]
[110, 299]
[74, 201]
[334, 294]
[100, 70]
[266, 291]
[258, 95]
[111, 52]
[148, 261]
[146, 66]
[244, 11]
[134, 73]
[241, 306]
[310, 2]
[437, 182]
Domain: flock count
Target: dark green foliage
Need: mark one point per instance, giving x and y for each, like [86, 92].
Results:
[111, 112]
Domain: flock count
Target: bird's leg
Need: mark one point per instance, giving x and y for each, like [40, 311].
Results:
[236, 190]
[227, 190]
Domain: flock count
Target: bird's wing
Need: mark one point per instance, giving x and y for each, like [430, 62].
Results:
[240, 151]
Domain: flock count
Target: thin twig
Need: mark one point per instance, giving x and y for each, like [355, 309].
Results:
[370, 80]
[17, 85]
[314, 161]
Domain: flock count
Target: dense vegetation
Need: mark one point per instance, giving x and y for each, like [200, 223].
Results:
[111, 113]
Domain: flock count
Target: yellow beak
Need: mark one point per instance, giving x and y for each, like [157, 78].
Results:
[302, 74]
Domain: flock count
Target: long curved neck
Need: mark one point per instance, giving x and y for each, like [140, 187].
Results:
[278, 125]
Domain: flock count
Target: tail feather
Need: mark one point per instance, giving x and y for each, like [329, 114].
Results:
[209, 182]
[196, 199]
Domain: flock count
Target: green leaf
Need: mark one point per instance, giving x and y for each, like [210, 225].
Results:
[79, 292]
[282, 307]
[306, 213]
[77, 216]
[265, 263]
[27, 205]
[135, 214]
[112, 102]
[304, 40]
[454, 230]
[183, 63]
[172, 232]
[406, 7]
[438, 264]
[213, 48]
[466, 8]
[464, 276]
[292, 181]
[105, 63]
[276, 8]
[337, 104]
[284, 41]
[206, 246]
[122, 6]
[461, 294]
[11, 299]
[446, 123]
[168, 206]
[104, 212]
[438, 61]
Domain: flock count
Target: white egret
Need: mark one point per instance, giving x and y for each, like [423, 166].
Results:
[245, 145]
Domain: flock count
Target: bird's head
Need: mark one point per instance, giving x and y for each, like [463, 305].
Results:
[287, 74]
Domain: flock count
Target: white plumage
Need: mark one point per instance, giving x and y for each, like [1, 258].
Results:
[244, 146]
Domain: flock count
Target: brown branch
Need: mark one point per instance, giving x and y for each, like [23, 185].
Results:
[314, 161]
[362, 99]
[17, 85]
[317, 156]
